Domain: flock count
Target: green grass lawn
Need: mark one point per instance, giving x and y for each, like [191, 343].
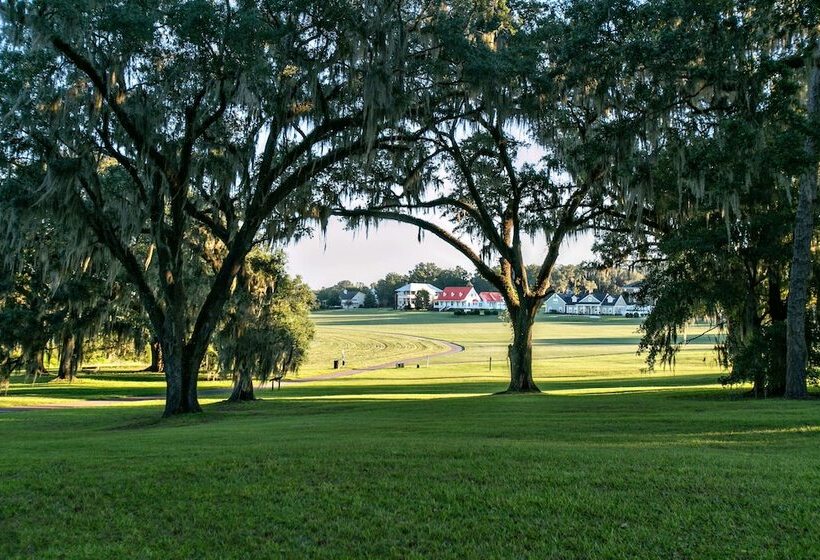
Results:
[609, 462]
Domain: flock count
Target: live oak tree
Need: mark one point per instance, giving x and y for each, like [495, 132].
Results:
[153, 118]
[735, 276]
[520, 77]
[731, 153]
[267, 329]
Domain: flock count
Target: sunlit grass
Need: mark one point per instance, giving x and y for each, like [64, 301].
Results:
[567, 351]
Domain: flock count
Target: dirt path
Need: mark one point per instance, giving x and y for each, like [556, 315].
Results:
[452, 348]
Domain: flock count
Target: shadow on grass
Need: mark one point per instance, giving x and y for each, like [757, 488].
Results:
[113, 395]
[588, 341]
[386, 385]
[374, 389]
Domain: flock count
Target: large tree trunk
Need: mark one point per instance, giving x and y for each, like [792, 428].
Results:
[182, 360]
[156, 357]
[35, 364]
[172, 351]
[520, 351]
[799, 278]
[242, 388]
[777, 333]
[66, 353]
[70, 357]
[190, 379]
[181, 381]
[180, 373]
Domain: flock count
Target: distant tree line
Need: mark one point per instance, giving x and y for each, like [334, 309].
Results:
[577, 278]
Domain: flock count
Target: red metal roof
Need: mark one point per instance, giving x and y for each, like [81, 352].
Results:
[491, 297]
[454, 293]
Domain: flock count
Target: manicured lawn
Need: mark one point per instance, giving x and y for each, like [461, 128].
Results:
[423, 463]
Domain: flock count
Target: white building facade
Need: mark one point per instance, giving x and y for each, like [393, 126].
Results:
[405, 296]
[350, 300]
[586, 304]
[492, 301]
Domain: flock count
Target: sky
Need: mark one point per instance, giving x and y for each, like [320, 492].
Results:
[359, 257]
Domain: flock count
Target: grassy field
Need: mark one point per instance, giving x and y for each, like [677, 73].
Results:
[609, 462]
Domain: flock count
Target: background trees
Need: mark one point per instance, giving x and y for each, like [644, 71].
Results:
[386, 287]
[423, 300]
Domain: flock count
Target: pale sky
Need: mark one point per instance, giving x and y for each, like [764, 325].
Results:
[359, 257]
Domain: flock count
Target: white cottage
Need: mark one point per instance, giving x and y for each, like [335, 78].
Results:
[492, 301]
[557, 303]
[351, 300]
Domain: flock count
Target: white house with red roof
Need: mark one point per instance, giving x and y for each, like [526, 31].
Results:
[457, 297]
[492, 301]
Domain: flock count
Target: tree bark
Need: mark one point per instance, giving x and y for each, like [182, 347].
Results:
[777, 334]
[242, 388]
[66, 352]
[181, 374]
[35, 364]
[520, 351]
[156, 357]
[70, 357]
[182, 360]
[800, 275]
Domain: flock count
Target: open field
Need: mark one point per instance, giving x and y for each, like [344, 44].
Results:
[609, 463]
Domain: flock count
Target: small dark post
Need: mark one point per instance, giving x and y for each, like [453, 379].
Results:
[335, 364]
[491, 363]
